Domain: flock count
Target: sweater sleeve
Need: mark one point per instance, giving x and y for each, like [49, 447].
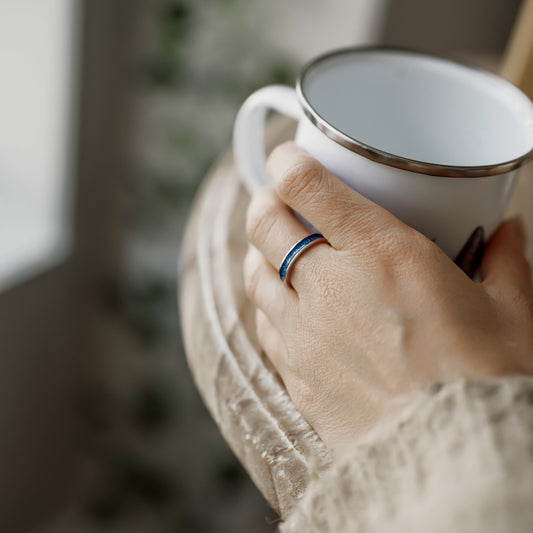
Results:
[458, 458]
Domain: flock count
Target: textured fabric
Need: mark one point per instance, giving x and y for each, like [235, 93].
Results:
[459, 458]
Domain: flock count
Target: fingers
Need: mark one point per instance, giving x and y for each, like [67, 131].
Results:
[266, 290]
[273, 230]
[277, 306]
[271, 341]
[504, 268]
[335, 209]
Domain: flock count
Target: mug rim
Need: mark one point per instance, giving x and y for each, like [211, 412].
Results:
[387, 158]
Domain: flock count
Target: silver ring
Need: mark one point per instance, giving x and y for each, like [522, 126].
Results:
[296, 251]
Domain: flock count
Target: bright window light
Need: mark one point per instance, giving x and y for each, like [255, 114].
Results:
[37, 67]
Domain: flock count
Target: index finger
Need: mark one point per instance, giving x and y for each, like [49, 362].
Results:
[336, 210]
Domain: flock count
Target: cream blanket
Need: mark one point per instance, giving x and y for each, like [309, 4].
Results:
[458, 459]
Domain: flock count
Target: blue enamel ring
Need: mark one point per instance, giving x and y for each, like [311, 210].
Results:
[295, 252]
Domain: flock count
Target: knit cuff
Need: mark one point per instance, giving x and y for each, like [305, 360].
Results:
[458, 457]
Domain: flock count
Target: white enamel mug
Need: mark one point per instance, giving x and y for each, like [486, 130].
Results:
[436, 142]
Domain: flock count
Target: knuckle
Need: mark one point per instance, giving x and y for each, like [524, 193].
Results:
[302, 178]
[374, 239]
[360, 222]
[417, 250]
[396, 249]
[402, 243]
[261, 216]
[397, 244]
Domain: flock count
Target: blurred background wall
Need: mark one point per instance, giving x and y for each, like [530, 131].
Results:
[472, 28]
[101, 428]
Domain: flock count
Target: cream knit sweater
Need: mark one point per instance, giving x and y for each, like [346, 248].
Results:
[458, 459]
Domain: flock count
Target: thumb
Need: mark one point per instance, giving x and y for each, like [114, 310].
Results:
[504, 267]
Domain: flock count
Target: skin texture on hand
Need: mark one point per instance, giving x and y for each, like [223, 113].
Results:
[380, 313]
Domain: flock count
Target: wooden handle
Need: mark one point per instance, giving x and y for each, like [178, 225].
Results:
[518, 60]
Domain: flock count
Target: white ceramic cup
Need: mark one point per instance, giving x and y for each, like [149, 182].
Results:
[436, 142]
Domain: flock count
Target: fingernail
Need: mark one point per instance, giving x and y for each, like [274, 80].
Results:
[519, 231]
[469, 258]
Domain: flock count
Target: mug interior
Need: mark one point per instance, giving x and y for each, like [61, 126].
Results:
[420, 107]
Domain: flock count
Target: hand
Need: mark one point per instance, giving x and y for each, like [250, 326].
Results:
[381, 313]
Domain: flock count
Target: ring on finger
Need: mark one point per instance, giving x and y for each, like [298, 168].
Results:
[295, 252]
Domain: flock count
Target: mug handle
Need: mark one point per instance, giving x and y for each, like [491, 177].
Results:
[248, 131]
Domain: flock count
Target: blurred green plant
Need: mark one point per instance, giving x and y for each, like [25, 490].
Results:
[131, 485]
[141, 305]
[163, 68]
[193, 78]
[153, 407]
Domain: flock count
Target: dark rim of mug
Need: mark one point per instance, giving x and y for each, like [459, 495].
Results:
[396, 161]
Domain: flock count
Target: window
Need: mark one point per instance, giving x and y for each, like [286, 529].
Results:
[37, 54]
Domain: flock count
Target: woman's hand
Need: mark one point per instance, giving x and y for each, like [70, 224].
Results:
[381, 313]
